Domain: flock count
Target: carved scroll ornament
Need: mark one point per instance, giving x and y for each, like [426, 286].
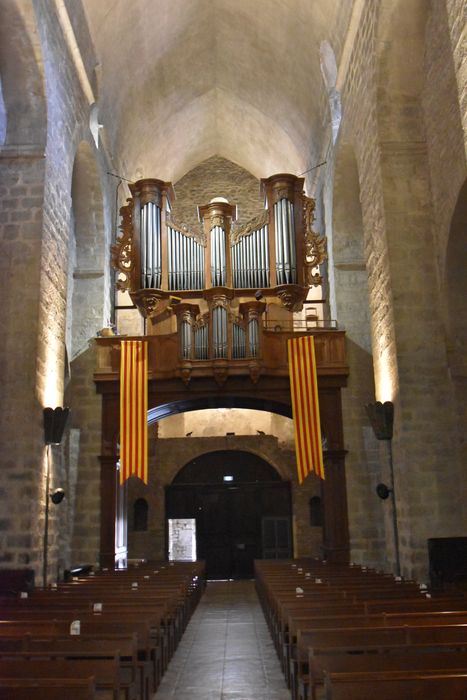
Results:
[315, 246]
[254, 224]
[192, 230]
[121, 249]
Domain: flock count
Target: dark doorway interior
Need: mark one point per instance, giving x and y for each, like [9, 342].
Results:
[233, 516]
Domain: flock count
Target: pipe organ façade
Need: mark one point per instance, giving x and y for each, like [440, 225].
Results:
[213, 284]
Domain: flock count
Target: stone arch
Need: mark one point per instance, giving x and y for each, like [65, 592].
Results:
[163, 410]
[456, 297]
[87, 304]
[21, 74]
[329, 72]
[263, 469]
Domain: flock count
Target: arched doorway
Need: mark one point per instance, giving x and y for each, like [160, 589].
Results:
[242, 510]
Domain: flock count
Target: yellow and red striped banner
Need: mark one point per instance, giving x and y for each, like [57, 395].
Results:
[133, 410]
[305, 406]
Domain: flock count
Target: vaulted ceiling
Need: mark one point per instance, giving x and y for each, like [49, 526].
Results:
[182, 80]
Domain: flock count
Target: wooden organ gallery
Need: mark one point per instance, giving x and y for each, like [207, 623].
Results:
[220, 300]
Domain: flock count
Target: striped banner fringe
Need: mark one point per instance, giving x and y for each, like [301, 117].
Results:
[305, 406]
[133, 410]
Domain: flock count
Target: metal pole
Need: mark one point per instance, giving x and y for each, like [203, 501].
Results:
[394, 511]
[46, 517]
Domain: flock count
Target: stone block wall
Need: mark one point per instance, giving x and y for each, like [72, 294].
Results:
[386, 125]
[35, 228]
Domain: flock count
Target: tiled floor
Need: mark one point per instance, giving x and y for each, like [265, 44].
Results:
[226, 652]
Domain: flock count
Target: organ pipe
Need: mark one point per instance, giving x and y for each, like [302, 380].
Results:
[253, 337]
[250, 260]
[277, 248]
[186, 340]
[185, 261]
[238, 341]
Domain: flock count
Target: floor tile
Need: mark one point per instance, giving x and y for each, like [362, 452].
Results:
[226, 652]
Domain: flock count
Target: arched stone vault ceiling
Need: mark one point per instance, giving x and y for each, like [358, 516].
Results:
[182, 80]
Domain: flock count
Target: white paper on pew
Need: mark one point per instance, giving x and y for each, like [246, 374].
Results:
[300, 571]
[318, 580]
[134, 585]
[299, 590]
[97, 607]
[23, 594]
[53, 586]
[147, 576]
[75, 627]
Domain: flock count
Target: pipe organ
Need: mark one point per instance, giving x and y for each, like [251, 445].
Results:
[214, 281]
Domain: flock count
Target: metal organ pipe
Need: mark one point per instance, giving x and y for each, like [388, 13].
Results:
[239, 341]
[286, 256]
[186, 340]
[218, 258]
[219, 335]
[150, 240]
[186, 261]
[253, 336]
[250, 260]
[143, 239]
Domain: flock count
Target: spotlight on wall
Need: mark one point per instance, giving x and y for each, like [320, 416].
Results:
[54, 424]
[57, 496]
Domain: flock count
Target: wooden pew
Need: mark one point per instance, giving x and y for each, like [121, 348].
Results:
[377, 638]
[105, 671]
[404, 659]
[47, 688]
[396, 685]
[155, 601]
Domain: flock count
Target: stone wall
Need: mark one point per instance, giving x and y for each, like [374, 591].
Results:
[385, 125]
[217, 177]
[36, 229]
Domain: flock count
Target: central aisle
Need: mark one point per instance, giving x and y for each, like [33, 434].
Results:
[226, 652]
